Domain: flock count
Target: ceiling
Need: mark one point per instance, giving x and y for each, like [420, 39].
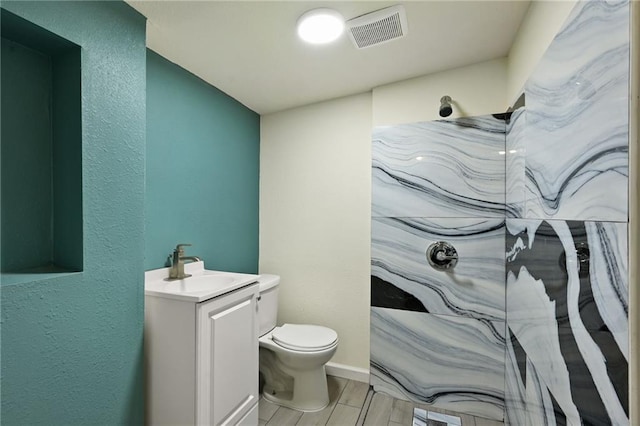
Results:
[249, 49]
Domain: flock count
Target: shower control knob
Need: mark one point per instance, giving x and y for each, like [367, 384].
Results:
[442, 256]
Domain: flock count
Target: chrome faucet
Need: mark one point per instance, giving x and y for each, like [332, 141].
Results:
[177, 263]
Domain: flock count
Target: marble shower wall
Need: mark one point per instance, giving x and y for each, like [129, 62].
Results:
[567, 328]
[548, 344]
[452, 362]
[403, 279]
[515, 164]
[439, 337]
[452, 168]
[567, 154]
[566, 243]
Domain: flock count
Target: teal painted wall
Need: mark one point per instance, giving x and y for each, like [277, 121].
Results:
[203, 152]
[41, 145]
[72, 343]
[67, 160]
[26, 134]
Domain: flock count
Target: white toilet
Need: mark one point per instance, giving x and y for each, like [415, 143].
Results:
[292, 356]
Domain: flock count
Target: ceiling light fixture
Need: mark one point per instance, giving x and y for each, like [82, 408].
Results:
[320, 26]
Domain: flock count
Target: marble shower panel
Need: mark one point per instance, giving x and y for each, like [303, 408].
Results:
[439, 169]
[515, 164]
[402, 278]
[442, 169]
[567, 299]
[451, 362]
[557, 170]
[567, 281]
[577, 118]
[438, 337]
[564, 392]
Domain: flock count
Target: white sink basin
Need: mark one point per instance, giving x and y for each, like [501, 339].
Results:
[202, 285]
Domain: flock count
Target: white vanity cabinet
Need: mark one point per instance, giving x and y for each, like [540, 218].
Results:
[201, 359]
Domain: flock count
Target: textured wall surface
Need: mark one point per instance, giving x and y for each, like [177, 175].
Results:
[203, 153]
[72, 345]
[314, 217]
[26, 141]
[41, 149]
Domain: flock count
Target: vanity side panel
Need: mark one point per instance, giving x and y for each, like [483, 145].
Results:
[170, 369]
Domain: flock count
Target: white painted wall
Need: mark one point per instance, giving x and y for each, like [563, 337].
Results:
[315, 182]
[475, 90]
[315, 197]
[540, 25]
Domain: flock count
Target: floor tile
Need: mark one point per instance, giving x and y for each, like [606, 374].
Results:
[354, 394]
[344, 415]
[353, 403]
[379, 411]
[266, 409]
[365, 407]
[285, 417]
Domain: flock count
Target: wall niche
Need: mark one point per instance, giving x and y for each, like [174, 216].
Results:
[41, 152]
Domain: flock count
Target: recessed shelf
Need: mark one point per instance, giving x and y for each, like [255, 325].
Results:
[41, 273]
[41, 142]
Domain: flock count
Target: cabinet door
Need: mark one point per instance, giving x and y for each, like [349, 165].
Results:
[227, 358]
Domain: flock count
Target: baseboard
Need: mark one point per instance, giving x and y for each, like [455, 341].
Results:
[347, 372]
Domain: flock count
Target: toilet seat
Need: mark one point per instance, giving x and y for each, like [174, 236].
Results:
[304, 337]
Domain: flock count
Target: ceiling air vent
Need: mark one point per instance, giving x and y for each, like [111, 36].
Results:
[378, 27]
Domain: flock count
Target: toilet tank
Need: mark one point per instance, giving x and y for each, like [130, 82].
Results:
[268, 302]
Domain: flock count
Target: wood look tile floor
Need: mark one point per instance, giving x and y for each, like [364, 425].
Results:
[353, 404]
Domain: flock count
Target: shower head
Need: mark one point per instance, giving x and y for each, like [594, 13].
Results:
[445, 106]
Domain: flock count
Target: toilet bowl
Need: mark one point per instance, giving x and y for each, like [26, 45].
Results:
[292, 356]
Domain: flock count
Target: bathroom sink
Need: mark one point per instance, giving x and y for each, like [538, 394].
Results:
[202, 285]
